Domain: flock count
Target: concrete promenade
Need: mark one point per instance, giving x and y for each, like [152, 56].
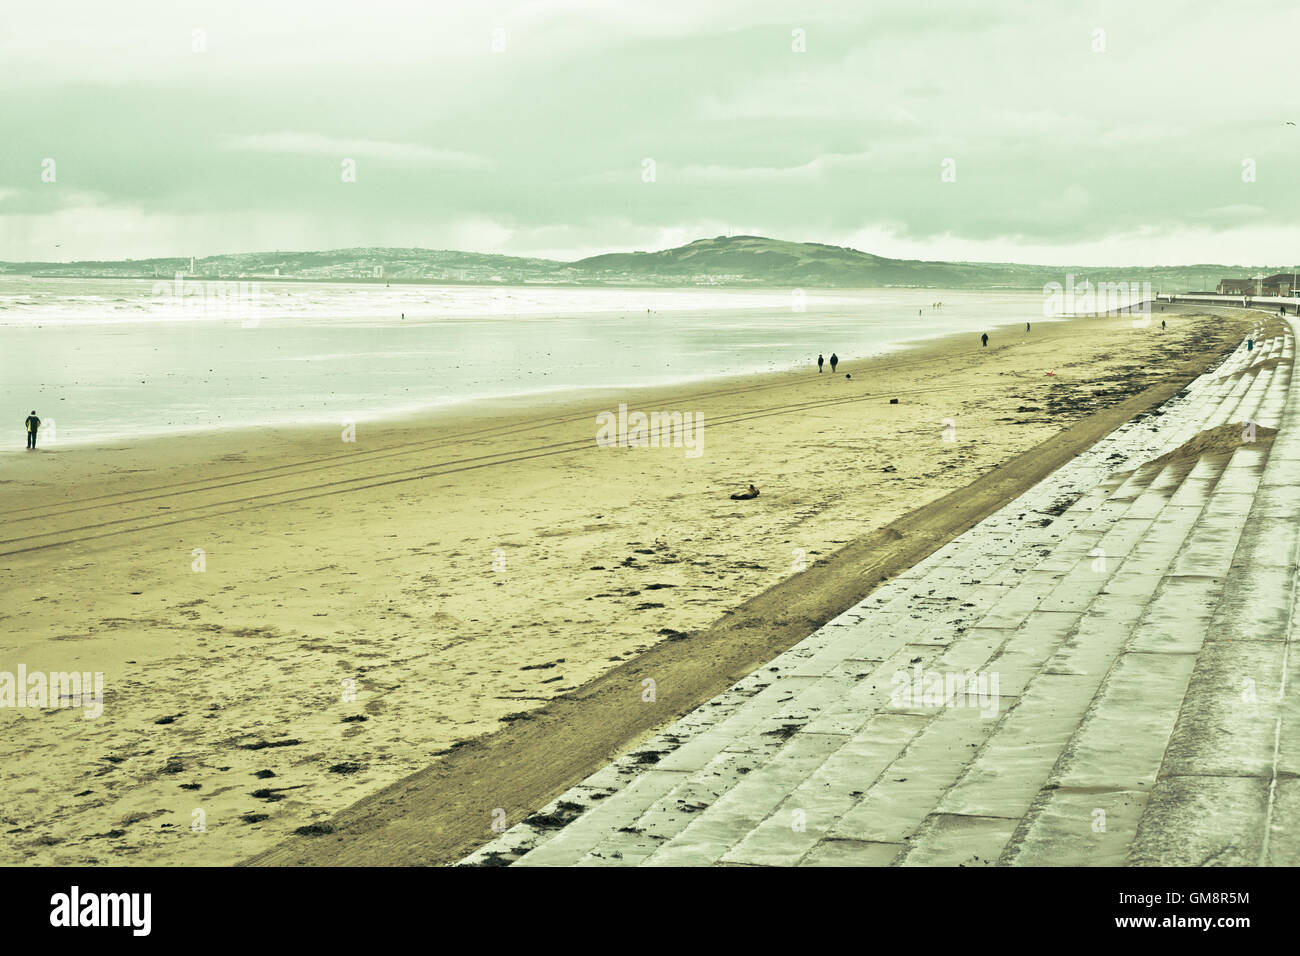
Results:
[1097, 674]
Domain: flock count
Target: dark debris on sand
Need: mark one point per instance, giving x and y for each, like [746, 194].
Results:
[315, 829]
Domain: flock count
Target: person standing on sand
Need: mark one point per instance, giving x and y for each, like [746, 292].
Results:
[32, 423]
[1026, 326]
[835, 360]
[820, 362]
[1162, 323]
[984, 339]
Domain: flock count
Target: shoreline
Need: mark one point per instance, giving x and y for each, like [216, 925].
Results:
[421, 414]
[462, 571]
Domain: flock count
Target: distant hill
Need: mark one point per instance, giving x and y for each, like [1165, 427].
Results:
[720, 261]
[775, 262]
[754, 259]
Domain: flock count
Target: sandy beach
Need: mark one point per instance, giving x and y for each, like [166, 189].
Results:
[289, 620]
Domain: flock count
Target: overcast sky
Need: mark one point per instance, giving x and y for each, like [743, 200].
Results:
[1078, 133]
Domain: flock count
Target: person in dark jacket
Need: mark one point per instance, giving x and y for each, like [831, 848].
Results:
[820, 361]
[985, 339]
[835, 360]
[33, 423]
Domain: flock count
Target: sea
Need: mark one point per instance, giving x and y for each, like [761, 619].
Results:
[118, 359]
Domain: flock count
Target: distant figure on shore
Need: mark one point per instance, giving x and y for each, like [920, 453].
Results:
[1026, 326]
[984, 339]
[1162, 323]
[751, 492]
[835, 360]
[820, 362]
[33, 423]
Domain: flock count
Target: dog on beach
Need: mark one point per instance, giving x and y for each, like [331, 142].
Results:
[745, 495]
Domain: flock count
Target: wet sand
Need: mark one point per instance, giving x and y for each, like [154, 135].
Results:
[288, 622]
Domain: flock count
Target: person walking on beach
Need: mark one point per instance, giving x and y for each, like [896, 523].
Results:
[33, 423]
[820, 362]
[984, 339]
[835, 360]
[1026, 326]
[1162, 323]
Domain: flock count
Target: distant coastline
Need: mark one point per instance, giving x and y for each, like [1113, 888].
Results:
[532, 283]
[723, 261]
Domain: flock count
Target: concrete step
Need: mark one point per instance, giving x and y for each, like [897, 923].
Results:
[814, 759]
[1088, 810]
[893, 805]
[1098, 606]
[1225, 793]
[1068, 806]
